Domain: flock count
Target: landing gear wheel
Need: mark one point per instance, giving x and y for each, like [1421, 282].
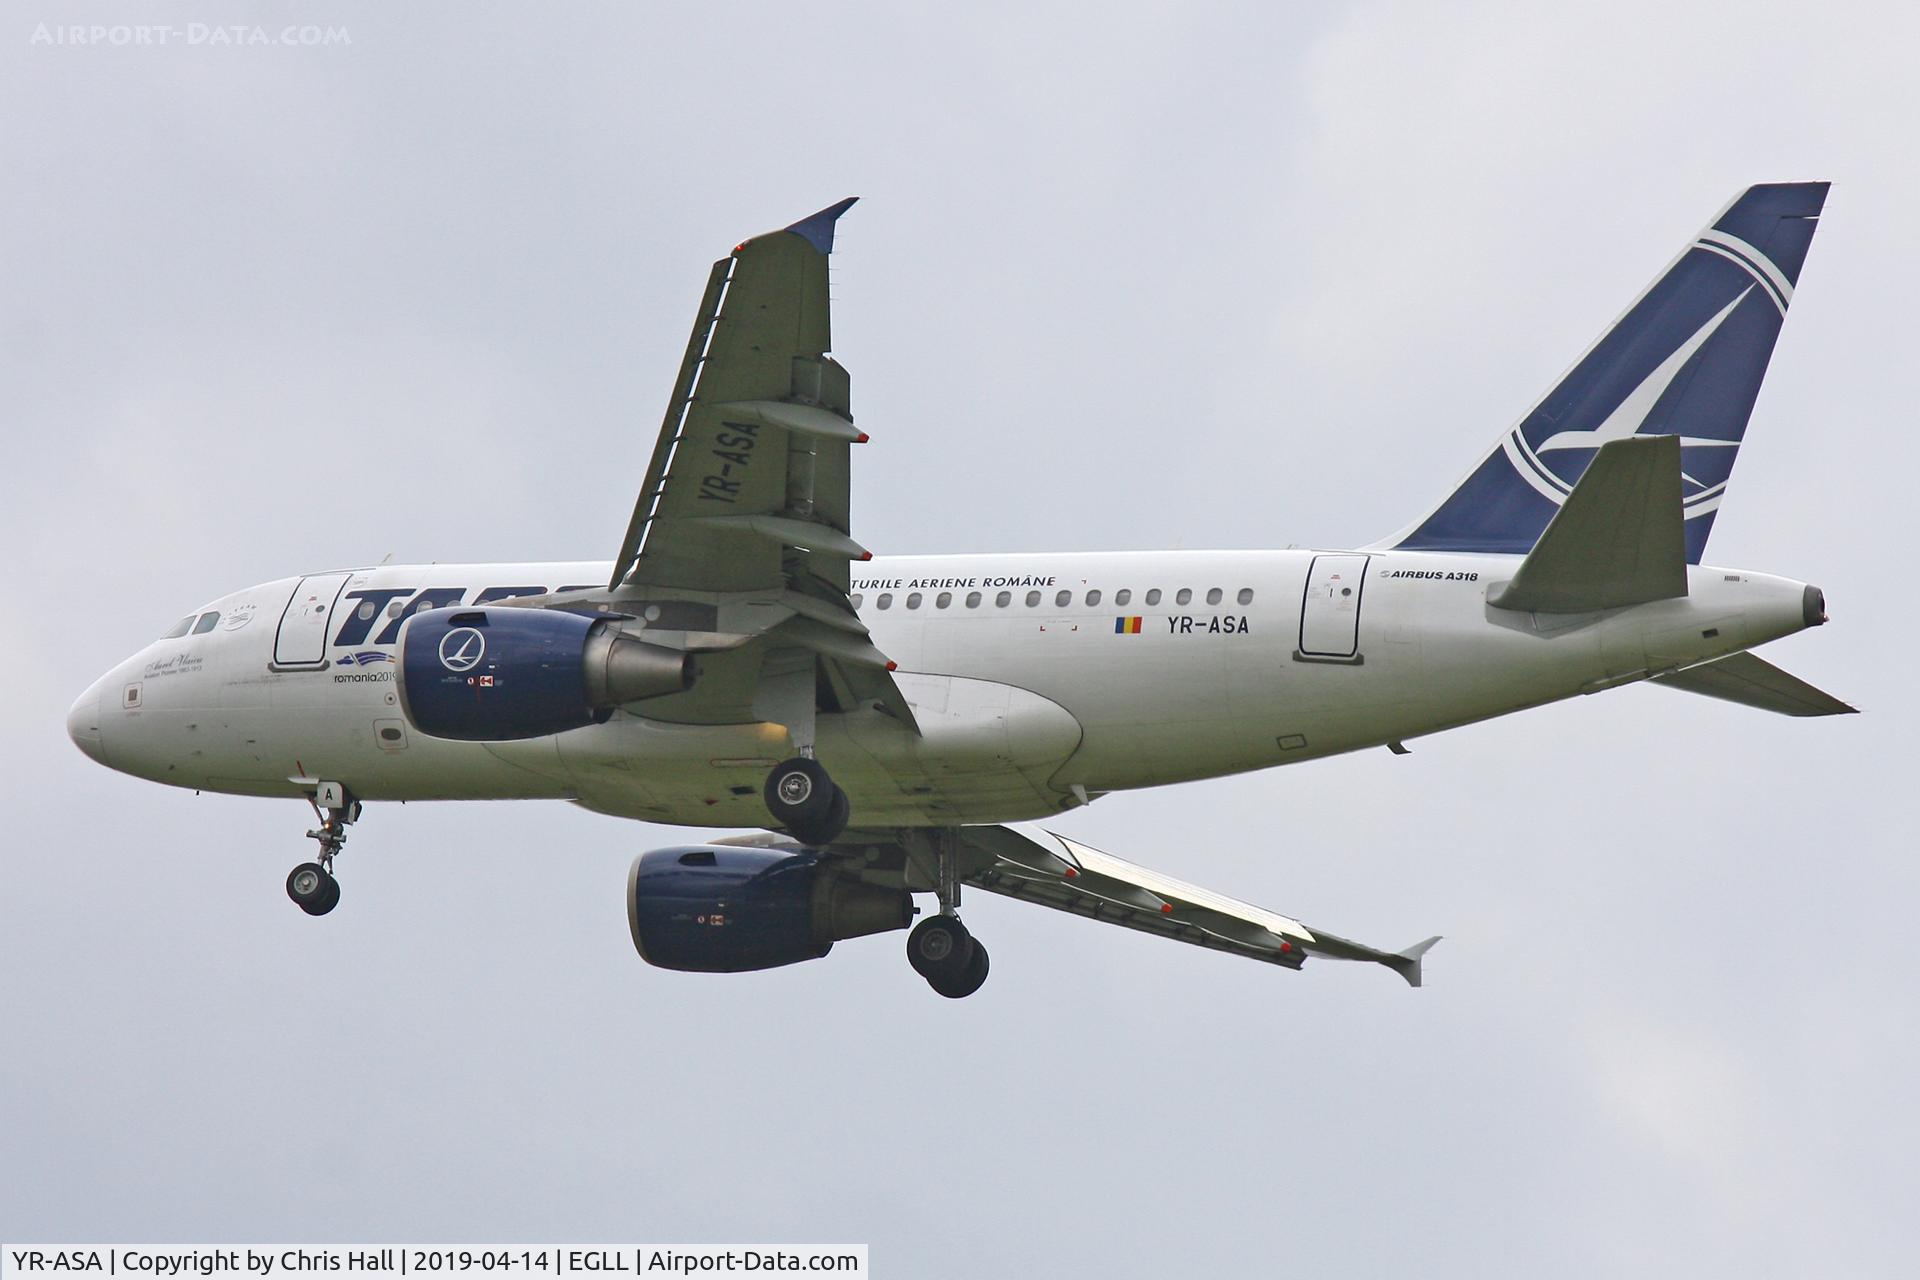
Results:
[824, 831]
[798, 791]
[313, 889]
[966, 982]
[940, 948]
[804, 800]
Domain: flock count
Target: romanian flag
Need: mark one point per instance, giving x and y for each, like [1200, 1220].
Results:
[1127, 626]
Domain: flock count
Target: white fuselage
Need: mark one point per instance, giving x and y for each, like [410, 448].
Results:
[1032, 692]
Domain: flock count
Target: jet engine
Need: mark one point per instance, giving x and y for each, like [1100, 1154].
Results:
[495, 675]
[727, 908]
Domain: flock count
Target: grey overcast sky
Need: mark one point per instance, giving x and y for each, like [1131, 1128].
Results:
[1123, 277]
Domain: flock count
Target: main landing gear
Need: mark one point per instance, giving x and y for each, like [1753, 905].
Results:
[804, 800]
[952, 960]
[940, 948]
[311, 884]
[813, 809]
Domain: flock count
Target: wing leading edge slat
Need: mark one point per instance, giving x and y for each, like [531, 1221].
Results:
[677, 405]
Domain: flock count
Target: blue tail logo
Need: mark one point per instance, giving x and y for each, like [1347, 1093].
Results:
[1685, 360]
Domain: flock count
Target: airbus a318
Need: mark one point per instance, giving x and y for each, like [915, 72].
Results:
[743, 661]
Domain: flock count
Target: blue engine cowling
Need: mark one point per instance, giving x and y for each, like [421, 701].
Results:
[730, 908]
[496, 675]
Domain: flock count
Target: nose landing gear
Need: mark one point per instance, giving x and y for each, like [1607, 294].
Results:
[311, 885]
[313, 888]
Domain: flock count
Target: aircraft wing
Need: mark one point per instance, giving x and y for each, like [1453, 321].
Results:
[748, 486]
[1066, 875]
[738, 548]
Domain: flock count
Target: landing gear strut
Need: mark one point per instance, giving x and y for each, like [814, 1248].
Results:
[940, 948]
[311, 884]
[804, 800]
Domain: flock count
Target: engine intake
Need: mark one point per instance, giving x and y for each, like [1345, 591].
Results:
[728, 909]
[497, 675]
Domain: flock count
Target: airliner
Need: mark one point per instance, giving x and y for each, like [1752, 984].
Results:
[877, 723]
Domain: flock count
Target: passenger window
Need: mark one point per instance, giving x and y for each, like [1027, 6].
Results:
[1153, 596]
[179, 628]
[973, 599]
[1033, 599]
[883, 600]
[1213, 595]
[913, 600]
[1245, 596]
[1002, 600]
[399, 607]
[1122, 596]
[942, 600]
[1062, 600]
[854, 600]
[1093, 598]
[1184, 595]
[208, 621]
[365, 611]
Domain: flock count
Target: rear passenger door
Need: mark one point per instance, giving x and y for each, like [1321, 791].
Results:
[1330, 609]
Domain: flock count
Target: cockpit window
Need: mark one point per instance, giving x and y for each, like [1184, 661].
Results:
[179, 628]
[208, 621]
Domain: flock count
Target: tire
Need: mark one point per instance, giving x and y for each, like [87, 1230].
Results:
[828, 828]
[968, 981]
[940, 948]
[313, 889]
[799, 793]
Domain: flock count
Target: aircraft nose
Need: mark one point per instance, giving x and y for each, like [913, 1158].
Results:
[83, 724]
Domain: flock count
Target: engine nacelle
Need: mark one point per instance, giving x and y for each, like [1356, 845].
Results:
[495, 675]
[727, 908]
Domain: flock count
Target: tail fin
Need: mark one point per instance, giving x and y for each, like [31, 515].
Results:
[1685, 360]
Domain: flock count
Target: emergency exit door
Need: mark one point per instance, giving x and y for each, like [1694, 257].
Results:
[302, 638]
[1330, 609]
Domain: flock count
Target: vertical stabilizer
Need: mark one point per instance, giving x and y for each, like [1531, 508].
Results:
[1685, 360]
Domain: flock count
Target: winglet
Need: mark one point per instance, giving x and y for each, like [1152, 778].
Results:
[817, 229]
[1407, 963]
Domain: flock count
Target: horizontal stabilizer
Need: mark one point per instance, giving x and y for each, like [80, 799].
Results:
[1407, 962]
[1617, 541]
[1755, 682]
